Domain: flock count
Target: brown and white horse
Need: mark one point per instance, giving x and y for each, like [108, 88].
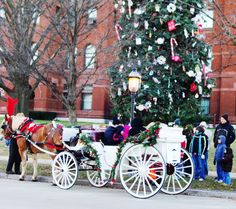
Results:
[46, 138]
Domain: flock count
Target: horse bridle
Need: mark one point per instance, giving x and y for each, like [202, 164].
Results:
[53, 144]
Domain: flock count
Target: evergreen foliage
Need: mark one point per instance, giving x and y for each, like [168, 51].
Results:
[163, 41]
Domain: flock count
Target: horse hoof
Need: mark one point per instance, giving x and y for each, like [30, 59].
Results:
[21, 179]
[34, 180]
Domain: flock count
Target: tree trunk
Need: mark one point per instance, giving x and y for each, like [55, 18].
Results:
[72, 114]
[24, 99]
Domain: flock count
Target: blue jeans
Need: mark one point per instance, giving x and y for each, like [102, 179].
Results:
[219, 171]
[226, 177]
[206, 164]
[199, 170]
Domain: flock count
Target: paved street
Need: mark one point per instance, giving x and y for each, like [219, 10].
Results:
[28, 195]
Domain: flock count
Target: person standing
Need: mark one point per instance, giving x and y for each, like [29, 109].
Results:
[227, 164]
[14, 159]
[226, 129]
[197, 149]
[219, 153]
[209, 134]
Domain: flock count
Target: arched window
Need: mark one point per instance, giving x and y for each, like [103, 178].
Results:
[90, 55]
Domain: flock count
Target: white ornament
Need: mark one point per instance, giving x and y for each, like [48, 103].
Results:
[157, 8]
[192, 10]
[146, 24]
[196, 96]
[148, 105]
[121, 68]
[145, 87]
[151, 73]
[171, 8]
[166, 67]
[200, 89]
[119, 92]
[161, 60]
[160, 41]
[183, 95]
[149, 48]
[124, 86]
[139, 11]
[139, 62]
[140, 107]
[190, 73]
[136, 24]
[156, 80]
[138, 41]
[186, 34]
[122, 9]
[155, 100]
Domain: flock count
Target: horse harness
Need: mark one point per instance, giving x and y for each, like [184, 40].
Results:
[27, 128]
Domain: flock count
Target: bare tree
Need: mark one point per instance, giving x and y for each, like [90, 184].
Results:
[75, 58]
[22, 48]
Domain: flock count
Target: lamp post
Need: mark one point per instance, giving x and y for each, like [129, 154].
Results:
[134, 86]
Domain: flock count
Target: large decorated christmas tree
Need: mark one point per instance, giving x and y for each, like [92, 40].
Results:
[164, 41]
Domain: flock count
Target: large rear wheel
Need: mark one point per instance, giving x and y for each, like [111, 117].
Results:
[142, 171]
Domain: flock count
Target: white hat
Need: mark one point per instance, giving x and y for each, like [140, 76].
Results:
[203, 124]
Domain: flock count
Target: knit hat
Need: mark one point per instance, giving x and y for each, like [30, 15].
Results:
[115, 121]
[226, 117]
[203, 124]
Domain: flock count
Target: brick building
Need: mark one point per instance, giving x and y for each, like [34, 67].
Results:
[94, 100]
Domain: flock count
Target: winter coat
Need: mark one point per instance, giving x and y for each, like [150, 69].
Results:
[227, 160]
[220, 149]
[198, 145]
[136, 127]
[226, 130]
[112, 133]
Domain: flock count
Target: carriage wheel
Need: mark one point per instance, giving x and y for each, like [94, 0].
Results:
[179, 176]
[94, 178]
[142, 171]
[65, 170]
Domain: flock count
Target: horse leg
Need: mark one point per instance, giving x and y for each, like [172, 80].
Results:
[24, 164]
[35, 168]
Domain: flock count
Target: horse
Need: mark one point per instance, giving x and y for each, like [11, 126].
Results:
[32, 137]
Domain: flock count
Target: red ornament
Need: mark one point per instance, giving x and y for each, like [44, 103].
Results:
[193, 87]
[171, 25]
[176, 58]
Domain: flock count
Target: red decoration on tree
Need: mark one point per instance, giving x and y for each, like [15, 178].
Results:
[193, 87]
[171, 25]
[174, 57]
[11, 103]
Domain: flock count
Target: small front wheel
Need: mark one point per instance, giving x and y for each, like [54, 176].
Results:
[142, 171]
[95, 179]
[65, 170]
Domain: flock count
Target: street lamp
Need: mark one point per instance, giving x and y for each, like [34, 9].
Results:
[134, 86]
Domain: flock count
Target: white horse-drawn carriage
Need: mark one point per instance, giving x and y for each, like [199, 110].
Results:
[143, 169]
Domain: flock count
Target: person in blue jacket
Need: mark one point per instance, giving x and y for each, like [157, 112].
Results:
[219, 153]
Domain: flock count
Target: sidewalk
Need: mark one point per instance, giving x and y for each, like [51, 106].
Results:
[117, 185]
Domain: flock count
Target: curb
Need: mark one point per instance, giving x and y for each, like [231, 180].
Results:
[117, 185]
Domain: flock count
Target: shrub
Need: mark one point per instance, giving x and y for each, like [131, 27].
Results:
[41, 115]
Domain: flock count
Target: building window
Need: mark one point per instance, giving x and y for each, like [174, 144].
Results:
[92, 16]
[87, 98]
[2, 13]
[205, 106]
[90, 54]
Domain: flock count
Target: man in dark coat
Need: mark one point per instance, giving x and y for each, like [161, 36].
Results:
[226, 129]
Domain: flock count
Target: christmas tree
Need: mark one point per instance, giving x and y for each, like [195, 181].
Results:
[164, 41]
